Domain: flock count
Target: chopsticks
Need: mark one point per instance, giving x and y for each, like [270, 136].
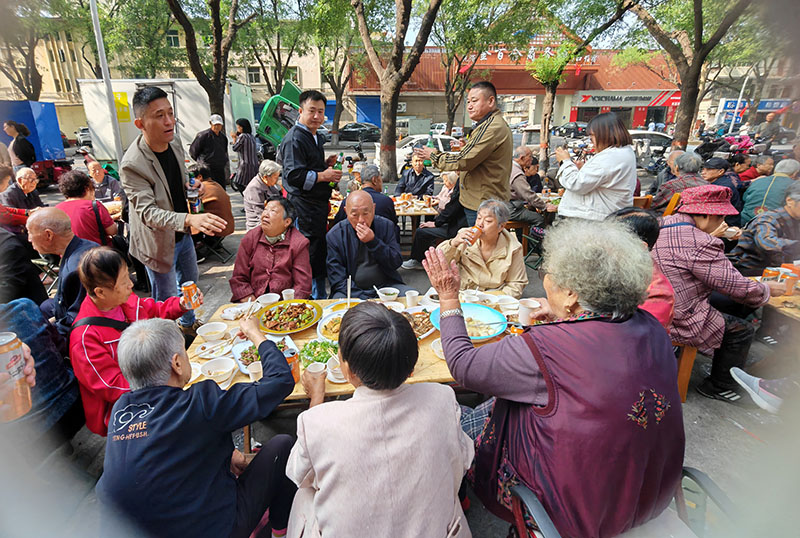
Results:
[249, 312]
[212, 349]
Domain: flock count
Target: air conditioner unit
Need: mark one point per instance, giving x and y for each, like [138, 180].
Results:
[401, 108]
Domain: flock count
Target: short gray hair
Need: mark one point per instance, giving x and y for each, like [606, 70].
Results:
[452, 175]
[268, 167]
[369, 172]
[689, 163]
[23, 171]
[787, 166]
[792, 192]
[761, 159]
[499, 210]
[603, 262]
[145, 352]
[520, 151]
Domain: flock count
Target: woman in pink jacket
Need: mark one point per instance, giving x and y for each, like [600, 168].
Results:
[109, 307]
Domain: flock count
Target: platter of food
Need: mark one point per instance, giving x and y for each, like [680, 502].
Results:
[420, 319]
[287, 317]
[246, 353]
[482, 322]
[342, 305]
[318, 351]
[328, 327]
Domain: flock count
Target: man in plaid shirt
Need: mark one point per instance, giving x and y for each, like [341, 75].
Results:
[772, 238]
[688, 167]
[694, 262]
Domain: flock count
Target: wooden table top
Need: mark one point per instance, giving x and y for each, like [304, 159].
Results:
[791, 312]
[429, 369]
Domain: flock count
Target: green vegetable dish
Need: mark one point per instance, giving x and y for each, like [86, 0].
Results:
[318, 351]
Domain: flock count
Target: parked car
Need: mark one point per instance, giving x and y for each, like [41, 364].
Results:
[660, 144]
[324, 131]
[366, 132]
[573, 129]
[406, 146]
[84, 138]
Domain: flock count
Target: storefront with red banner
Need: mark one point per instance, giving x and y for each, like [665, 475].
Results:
[637, 108]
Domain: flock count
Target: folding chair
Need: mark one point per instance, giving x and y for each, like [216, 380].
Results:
[687, 520]
[48, 269]
[643, 201]
[220, 251]
[533, 255]
[686, 355]
[673, 204]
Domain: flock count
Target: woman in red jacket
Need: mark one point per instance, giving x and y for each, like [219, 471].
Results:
[110, 306]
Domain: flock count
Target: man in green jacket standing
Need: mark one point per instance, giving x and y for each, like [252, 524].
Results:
[768, 192]
[485, 160]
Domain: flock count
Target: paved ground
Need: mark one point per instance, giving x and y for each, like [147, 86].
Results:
[715, 444]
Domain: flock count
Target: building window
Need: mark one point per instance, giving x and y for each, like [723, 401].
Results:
[61, 55]
[292, 73]
[177, 74]
[173, 40]
[253, 75]
[50, 54]
[58, 85]
[68, 85]
[69, 36]
[72, 55]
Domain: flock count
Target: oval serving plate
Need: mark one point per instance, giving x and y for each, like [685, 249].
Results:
[322, 333]
[478, 312]
[417, 309]
[282, 304]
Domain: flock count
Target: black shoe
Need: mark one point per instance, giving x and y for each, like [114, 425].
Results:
[708, 389]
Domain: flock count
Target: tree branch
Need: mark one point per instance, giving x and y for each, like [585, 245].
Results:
[191, 45]
[698, 24]
[363, 30]
[727, 21]
[661, 36]
[419, 43]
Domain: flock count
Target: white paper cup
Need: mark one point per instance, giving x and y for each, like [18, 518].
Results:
[526, 308]
[288, 294]
[255, 370]
[334, 369]
[470, 296]
[316, 369]
[412, 298]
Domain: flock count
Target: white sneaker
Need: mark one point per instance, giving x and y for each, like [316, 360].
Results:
[760, 395]
[411, 264]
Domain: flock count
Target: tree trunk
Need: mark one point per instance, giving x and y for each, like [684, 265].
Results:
[690, 79]
[452, 105]
[216, 100]
[547, 114]
[390, 95]
[337, 115]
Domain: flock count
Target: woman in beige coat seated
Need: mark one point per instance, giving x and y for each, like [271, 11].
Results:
[389, 461]
[492, 258]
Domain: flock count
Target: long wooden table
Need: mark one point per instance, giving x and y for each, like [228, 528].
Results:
[790, 312]
[429, 369]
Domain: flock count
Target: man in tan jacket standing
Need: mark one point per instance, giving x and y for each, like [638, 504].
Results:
[154, 178]
[485, 160]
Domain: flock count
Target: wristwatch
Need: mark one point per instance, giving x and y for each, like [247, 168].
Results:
[452, 312]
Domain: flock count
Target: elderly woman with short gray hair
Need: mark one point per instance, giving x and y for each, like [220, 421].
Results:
[169, 450]
[262, 187]
[591, 391]
[487, 255]
[688, 167]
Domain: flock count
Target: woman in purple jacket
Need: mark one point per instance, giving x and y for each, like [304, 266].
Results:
[586, 410]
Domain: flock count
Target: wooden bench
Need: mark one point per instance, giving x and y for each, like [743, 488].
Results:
[526, 230]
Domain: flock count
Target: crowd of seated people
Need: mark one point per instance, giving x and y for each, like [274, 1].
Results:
[618, 278]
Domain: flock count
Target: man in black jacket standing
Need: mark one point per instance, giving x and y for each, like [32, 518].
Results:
[211, 147]
[308, 181]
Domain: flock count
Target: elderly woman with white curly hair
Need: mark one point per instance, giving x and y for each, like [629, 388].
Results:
[586, 411]
[487, 255]
[262, 187]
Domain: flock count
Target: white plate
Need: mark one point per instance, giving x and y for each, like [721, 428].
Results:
[233, 313]
[422, 308]
[241, 345]
[330, 308]
[225, 385]
[334, 380]
[216, 352]
[325, 320]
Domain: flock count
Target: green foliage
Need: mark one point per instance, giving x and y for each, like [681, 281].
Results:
[550, 69]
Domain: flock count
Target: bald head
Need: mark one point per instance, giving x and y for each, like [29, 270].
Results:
[523, 156]
[49, 231]
[360, 208]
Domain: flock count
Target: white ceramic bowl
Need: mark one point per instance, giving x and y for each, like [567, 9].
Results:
[397, 306]
[388, 294]
[218, 369]
[436, 346]
[507, 304]
[213, 332]
[268, 298]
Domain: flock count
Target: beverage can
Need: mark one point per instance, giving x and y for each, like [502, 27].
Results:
[516, 328]
[15, 394]
[191, 294]
[294, 363]
[476, 234]
[770, 273]
[791, 283]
